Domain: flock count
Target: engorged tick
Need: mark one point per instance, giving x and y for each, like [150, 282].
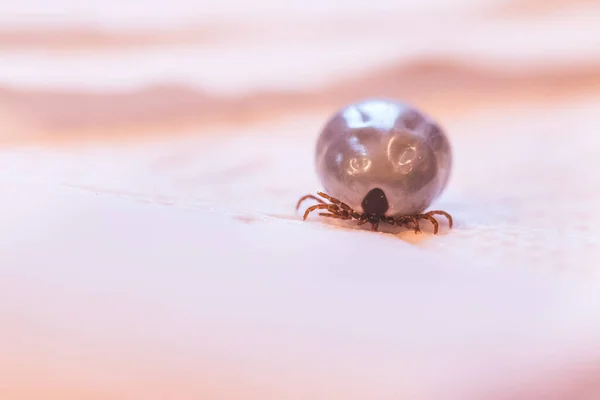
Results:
[381, 161]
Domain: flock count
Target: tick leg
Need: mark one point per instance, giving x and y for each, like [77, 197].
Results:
[335, 209]
[342, 205]
[334, 216]
[400, 221]
[308, 196]
[444, 213]
[408, 221]
[329, 215]
[432, 220]
[374, 226]
[331, 208]
[345, 207]
[315, 207]
[415, 222]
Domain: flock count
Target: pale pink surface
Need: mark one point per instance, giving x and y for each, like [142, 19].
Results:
[150, 248]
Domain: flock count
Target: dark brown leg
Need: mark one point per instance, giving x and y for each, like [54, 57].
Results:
[374, 226]
[325, 214]
[444, 213]
[313, 208]
[405, 220]
[333, 210]
[415, 222]
[432, 220]
[342, 205]
[336, 207]
[334, 216]
[401, 221]
[308, 196]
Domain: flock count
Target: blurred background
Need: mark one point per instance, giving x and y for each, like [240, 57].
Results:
[152, 153]
[114, 70]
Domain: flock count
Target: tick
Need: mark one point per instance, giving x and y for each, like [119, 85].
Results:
[381, 161]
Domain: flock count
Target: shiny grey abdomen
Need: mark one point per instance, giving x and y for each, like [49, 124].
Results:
[388, 145]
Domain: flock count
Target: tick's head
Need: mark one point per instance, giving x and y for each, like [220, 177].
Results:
[375, 203]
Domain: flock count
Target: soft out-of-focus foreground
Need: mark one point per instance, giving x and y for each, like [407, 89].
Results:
[152, 154]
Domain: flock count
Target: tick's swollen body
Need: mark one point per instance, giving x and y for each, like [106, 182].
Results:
[381, 161]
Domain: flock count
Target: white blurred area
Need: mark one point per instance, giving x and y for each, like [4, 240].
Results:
[274, 45]
[157, 14]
